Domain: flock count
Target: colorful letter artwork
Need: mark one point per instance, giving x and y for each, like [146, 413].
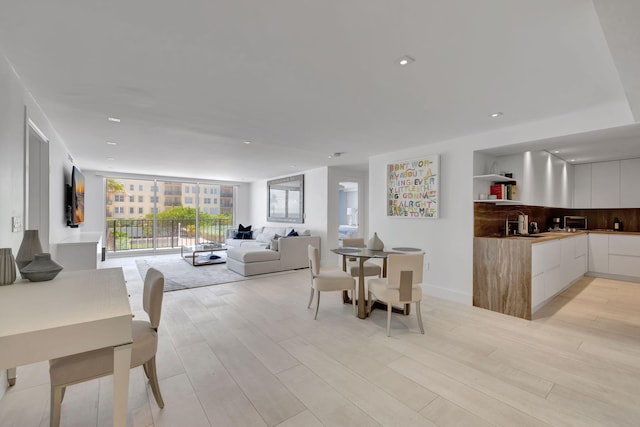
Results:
[413, 188]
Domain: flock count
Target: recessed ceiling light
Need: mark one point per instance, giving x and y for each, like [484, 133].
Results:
[572, 160]
[111, 143]
[113, 119]
[111, 158]
[247, 142]
[555, 151]
[496, 114]
[405, 60]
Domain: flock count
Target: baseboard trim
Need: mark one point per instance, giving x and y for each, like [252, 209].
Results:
[613, 277]
[448, 294]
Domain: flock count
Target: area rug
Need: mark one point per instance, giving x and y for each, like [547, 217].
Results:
[179, 274]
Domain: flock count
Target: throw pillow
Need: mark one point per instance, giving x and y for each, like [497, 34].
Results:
[243, 228]
[292, 233]
[274, 244]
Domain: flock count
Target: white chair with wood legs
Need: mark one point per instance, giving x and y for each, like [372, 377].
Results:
[401, 286]
[77, 368]
[353, 268]
[327, 281]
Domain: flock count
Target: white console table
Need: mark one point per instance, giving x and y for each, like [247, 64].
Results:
[83, 251]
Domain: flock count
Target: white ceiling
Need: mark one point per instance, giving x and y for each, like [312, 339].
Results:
[192, 80]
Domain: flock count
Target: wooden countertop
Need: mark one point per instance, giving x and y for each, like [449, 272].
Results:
[555, 235]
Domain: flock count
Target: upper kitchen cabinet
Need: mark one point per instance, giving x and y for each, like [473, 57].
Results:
[630, 183]
[582, 186]
[605, 185]
[543, 179]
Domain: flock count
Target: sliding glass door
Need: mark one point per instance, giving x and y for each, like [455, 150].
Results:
[159, 214]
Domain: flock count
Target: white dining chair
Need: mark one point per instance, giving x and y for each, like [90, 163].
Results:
[77, 368]
[401, 286]
[334, 280]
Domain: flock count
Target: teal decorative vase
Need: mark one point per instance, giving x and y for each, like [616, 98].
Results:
[41, 269]
[374, 243]
[7, 267]
[28, 248]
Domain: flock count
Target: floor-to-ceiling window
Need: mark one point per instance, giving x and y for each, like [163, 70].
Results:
[157, 214]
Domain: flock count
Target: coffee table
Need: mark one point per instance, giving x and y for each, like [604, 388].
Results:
[190, 254]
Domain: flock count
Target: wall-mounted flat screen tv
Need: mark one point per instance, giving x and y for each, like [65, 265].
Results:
[75, 199]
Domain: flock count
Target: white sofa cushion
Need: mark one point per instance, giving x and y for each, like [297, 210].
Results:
[252, 254]
[268, 233]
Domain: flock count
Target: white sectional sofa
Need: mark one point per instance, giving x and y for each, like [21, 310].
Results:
[261, 236]
[251, 259]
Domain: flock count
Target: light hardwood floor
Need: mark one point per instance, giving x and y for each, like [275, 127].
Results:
[250, 354]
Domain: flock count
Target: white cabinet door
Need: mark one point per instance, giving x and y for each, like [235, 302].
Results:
[544, 256]
[567, 255]
[629, 180]
[599, 253]
[624, 244]
[624, 265]
[582, 186]
[537, 291]
[582, 245]
[605, 185]
[553, 282]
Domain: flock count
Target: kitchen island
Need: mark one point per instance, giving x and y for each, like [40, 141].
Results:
[517, 275]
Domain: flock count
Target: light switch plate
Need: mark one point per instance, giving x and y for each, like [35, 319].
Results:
[16, 224]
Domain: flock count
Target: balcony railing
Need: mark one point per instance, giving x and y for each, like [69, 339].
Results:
[134, 234]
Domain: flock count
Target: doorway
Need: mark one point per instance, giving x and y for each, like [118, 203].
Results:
[37, 183]
[348, 210]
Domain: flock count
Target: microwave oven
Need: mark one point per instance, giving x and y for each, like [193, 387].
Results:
[577, 222]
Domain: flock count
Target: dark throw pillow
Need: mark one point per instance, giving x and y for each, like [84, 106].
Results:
[292, 233]
[243, 233]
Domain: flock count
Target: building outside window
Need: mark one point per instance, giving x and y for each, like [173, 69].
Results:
[160, 220]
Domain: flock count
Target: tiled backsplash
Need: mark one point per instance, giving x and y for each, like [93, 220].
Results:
[489, 218]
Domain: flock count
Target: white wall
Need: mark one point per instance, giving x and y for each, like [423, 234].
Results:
[14, 98]
[315, 207]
